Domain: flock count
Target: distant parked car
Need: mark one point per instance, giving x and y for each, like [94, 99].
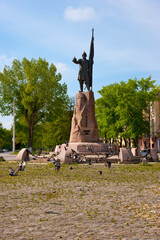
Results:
[5, 150]
[144, 152]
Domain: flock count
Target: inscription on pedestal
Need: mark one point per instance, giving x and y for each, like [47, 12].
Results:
[86, 132]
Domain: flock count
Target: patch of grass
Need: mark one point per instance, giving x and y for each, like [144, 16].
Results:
[146, 165]
[15, 153]
[2, 159]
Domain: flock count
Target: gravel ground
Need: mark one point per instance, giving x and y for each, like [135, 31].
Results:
[8, 156]
[39, 203]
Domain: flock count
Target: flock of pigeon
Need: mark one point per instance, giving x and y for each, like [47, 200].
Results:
[57, 164]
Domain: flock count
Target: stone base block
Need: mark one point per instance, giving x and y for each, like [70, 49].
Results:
[89, 147]
[66, 152]
[23, 155]
[125, 155]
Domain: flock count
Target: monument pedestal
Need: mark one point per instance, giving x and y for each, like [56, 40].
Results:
[84, 136]
[84, 125]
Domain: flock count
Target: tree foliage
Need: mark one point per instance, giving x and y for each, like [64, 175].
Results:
[122, 108]
[5, 138]
[38, 94]
[56, 129]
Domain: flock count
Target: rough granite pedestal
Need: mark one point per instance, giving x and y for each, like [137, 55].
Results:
[84, 136]
[84, 125]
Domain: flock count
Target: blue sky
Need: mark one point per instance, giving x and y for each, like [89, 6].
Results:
[127, 38]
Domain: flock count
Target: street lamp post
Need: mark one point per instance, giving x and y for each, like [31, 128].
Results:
[13, 140]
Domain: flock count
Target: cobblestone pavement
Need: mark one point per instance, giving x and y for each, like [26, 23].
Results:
[39, 203]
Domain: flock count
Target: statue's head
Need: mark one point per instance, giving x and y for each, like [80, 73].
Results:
[84, 54]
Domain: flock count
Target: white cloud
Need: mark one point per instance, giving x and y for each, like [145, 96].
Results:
[66, 71]
[62, 68]
[4, 60]
[79, 14]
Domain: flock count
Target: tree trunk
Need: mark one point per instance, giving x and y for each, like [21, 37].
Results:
[105, 139]
[129, 143]
[31, 125]
[120, 142]
[125, 142]
[135, 141]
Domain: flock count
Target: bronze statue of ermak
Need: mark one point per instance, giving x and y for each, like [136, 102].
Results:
[85, 67]
[83, 76]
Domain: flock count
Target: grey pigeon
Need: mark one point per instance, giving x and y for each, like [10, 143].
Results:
[12, 172]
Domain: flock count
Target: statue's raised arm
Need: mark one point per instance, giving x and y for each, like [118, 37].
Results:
[75, 60]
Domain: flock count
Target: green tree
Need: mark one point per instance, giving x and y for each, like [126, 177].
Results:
[56, 129]
[122, 109]
[106, 115]
[22, 134]
[36, 88]
[5, 138]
